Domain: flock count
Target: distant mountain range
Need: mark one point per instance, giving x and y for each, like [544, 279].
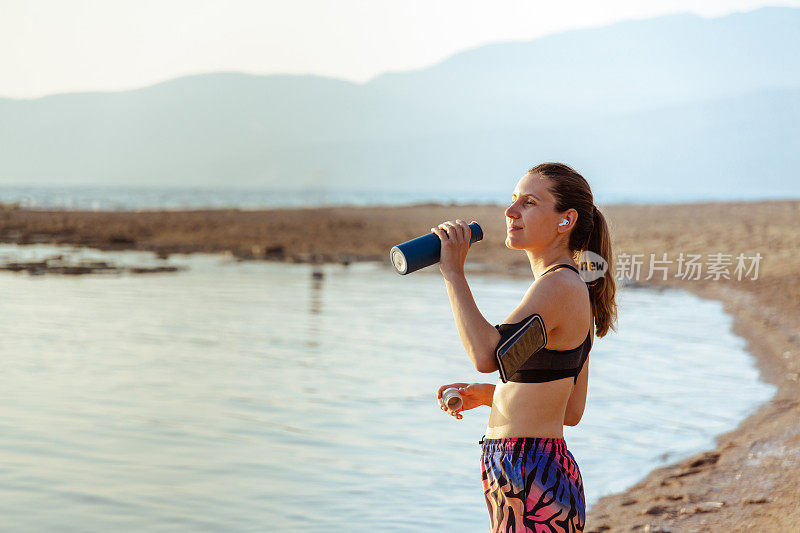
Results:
[671, 104]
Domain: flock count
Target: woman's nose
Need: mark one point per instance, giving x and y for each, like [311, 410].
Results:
[511, 211]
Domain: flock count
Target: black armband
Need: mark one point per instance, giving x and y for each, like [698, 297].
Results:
[518, 342]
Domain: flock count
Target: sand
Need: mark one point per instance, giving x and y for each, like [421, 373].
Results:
[749, 482]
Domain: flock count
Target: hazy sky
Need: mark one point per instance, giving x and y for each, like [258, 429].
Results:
[53, 46]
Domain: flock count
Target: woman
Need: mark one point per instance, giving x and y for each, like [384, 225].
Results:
[530, 480]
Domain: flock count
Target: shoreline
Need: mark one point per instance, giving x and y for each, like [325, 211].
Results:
[746, 483]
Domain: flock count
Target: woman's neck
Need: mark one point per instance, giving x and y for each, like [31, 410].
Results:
[540, 262]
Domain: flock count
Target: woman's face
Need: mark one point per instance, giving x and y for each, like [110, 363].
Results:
[531, 221]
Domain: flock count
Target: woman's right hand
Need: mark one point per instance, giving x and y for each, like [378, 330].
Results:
[472, 396]
[454, 240]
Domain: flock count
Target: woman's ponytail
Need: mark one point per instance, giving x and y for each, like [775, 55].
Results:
[602, 290]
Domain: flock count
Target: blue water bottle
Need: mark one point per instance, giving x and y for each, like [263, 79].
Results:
[424, 251]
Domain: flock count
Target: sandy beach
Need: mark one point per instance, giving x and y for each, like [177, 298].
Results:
[749, 482]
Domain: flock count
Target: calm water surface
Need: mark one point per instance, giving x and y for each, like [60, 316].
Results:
[256, 397]
[133, 198]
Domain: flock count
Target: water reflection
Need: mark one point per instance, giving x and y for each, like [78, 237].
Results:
[315, 306]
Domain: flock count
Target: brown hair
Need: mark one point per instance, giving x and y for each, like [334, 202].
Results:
[571, 190]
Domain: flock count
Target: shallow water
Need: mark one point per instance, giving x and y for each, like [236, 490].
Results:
[253, 396]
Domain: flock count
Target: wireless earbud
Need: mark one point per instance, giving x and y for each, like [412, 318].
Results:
[564, 222]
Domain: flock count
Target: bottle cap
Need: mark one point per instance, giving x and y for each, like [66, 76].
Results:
[451, 399]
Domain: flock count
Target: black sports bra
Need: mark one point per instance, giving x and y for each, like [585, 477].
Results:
[548, 365]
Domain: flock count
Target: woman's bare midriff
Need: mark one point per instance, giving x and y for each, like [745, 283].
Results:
[538, 409]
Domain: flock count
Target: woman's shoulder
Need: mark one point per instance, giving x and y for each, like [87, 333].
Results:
[556, 297]
[568, 282]
[563, 283]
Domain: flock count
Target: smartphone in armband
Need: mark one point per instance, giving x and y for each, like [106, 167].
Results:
[529, 337]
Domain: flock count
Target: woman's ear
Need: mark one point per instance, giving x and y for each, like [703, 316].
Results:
[571, 216]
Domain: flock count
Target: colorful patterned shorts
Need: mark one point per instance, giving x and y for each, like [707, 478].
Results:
[532, 484]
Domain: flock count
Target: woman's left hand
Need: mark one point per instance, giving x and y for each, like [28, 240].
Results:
[472, 395]
[454, 237]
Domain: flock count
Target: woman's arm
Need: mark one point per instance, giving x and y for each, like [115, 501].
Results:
[489, 395]
[577, 400]
[477, 335]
